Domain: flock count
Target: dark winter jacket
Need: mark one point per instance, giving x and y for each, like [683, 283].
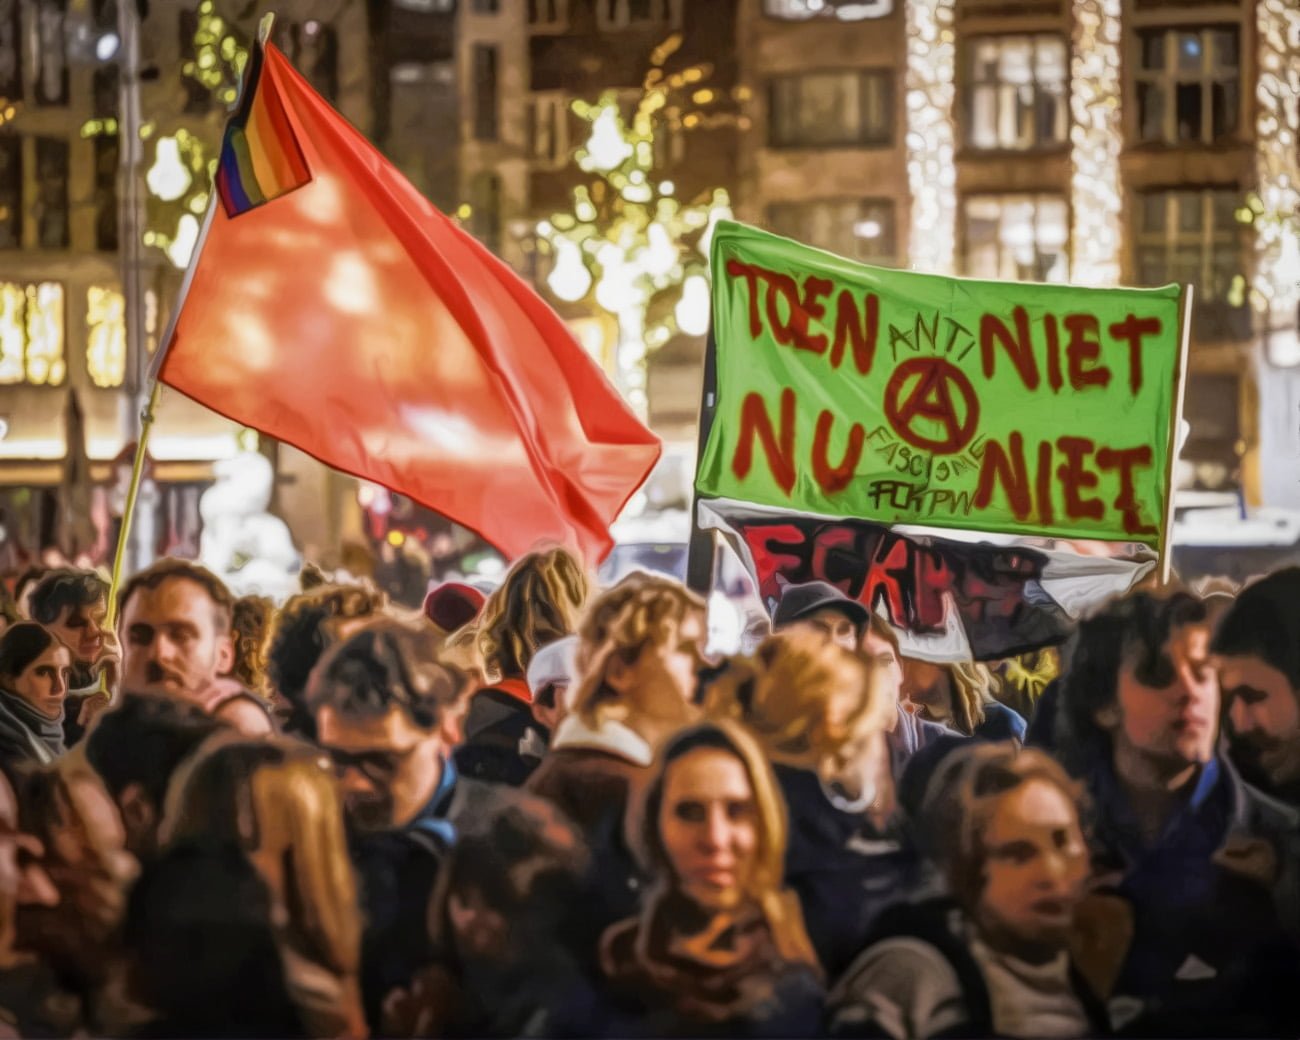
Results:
[843, 872]
[396, 871]
[496, 724]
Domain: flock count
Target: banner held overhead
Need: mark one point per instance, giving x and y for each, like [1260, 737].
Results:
[852, 391]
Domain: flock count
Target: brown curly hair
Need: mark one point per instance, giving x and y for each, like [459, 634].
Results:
[539, 602]
[250, 625]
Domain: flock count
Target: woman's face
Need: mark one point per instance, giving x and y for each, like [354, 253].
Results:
[708, 823]
[44, 683]
[1035, 868]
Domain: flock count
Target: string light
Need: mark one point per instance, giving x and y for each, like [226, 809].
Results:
[931, 93]
[1096, 137]
[1277, 236]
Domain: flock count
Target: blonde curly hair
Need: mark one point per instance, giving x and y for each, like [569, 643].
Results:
[642, 610]
[807, 700]
[540, 601]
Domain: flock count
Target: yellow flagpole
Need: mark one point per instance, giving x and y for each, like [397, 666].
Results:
[128, 513]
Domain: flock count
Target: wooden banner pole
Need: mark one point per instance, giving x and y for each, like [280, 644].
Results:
[1166, 561]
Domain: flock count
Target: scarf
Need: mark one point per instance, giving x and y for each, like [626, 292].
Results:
[45, 735]
[708, 967]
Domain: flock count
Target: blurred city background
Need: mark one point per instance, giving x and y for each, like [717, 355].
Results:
[592, 144]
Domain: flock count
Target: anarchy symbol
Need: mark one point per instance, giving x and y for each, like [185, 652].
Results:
[920, 392]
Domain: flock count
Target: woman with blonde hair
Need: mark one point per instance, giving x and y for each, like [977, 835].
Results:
[639, 651]
[255, 847]
[821, 713]
[960, 695]
[540, 601]
[719, 945]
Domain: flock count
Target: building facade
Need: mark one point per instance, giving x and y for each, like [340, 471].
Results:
[386, 66]
[1101, 142]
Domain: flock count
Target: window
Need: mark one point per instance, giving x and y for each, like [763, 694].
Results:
[104, 91]
[485, 210]
[313, 48]
[829, 109]
[621, 14]
[11, 191]
[1192, 237]
[548, 129]
[842, 10]
[1212, 408]
[548, 14]
[1016, 237]
[51, 207]
[1188, 85]
[50, 52]
[198, 99]
[105, 336]
[11, 68]
[1017, 92]
[107, 158]
[861, 229]
[31, 334]
[485, 93]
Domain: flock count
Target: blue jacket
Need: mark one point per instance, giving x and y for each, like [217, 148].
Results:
[1216, 908]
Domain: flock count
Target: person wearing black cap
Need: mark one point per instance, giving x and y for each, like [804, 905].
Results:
[821, 607]
[1258, 643]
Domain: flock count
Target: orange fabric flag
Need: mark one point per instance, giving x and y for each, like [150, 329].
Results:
[345, 315]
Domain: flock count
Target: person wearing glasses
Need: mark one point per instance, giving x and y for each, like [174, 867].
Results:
[384, 711]
[1210, 866]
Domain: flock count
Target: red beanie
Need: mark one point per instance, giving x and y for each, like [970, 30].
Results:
[453, 605]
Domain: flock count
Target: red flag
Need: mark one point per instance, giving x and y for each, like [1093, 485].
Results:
[350, 318]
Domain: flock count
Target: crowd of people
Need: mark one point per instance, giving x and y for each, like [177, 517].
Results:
[552, 812]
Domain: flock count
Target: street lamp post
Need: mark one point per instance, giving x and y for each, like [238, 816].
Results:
[130, 241]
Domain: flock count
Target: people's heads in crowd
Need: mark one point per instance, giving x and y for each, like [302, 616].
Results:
[305, 628]
[508, 886]
[135, 748]
[251, 621]
[710, 828]
[540, 601]
[175, 623]
[380, 701]
[277, 804]
[1140, 689]
[1004, 826]
[551, 677]
[640, 651]
[24, 587]
[814, 705]
[881, 650]
[73, 604]
[35, 667]
[452, 605]
[9, 613]
[67, 808]
[819, 606]
[954, 692]
[24, 881]
[1258, 646]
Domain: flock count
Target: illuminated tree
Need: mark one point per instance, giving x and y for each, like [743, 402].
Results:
[180, 150]
[629, 244]
[1274, 209]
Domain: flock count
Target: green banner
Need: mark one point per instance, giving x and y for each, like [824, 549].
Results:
[906, 398]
